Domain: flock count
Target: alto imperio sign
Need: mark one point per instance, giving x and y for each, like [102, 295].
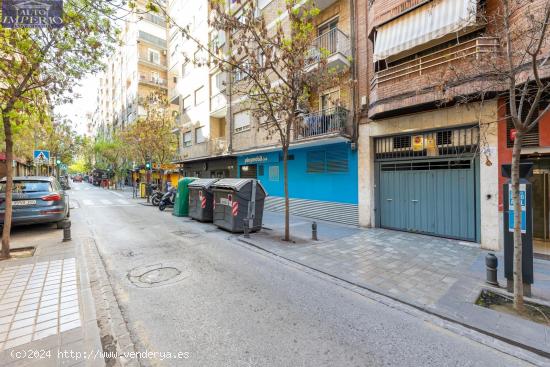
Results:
[32, 13]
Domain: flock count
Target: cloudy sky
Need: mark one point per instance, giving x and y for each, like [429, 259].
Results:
[76, 111]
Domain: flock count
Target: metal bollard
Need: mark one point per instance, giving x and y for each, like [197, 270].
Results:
[246, 229]
[491, 262]
[314, 231]
[67, 231]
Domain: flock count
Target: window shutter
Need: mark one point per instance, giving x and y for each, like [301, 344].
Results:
[316, 161]
[337, 160]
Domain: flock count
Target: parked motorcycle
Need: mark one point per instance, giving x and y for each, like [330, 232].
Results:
[168, 199]
[156, 196]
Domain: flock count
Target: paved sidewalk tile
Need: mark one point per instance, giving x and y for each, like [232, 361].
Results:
[37, 300]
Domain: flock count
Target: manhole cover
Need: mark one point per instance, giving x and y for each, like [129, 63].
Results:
[159, 275]
[186, 234]
[155, 275]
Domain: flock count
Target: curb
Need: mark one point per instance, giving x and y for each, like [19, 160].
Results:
[431, 312]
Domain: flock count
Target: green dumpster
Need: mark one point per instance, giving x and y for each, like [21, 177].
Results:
[181, 206]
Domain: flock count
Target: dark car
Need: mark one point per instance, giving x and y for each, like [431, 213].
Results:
[36, 199]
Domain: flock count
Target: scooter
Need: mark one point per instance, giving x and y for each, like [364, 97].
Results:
[156, 196]
[168, 199]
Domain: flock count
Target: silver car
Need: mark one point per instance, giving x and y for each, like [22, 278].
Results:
[36, 199]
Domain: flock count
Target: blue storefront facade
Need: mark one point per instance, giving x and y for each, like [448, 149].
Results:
[322, 180]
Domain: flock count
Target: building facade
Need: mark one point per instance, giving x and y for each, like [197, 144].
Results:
[322, 165]
[430, 149]
[198, 91]
[136, 71]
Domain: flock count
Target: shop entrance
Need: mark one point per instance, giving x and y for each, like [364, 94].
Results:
[541, 206]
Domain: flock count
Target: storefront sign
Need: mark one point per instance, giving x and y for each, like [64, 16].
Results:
[256, 159]
[418, 143]
[32, 13]
[522, 199]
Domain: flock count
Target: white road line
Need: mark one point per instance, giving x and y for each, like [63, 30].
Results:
[106, 202]
[122, 201]
[117, 194]
[87, 202]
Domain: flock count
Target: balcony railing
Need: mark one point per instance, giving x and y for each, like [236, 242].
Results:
[218, 102]
[326, 122]
[208, 148]
[422, 65]
[328, 44]
[146, 59]
[143, 78]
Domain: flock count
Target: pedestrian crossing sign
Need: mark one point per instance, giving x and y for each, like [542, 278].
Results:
[42, 156]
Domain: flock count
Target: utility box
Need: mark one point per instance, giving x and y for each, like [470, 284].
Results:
[201, 199]
[526, 226]
[237, 200]
[181, 206]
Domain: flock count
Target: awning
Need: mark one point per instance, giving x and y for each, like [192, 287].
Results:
[428, 22]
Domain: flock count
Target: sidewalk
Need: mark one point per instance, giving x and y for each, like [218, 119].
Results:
[46, 307]
[440, 276]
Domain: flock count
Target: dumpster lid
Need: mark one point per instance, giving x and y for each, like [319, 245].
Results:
[235, 183]
[203, 182]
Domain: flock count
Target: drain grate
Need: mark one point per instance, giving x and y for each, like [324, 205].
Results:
[186, 234]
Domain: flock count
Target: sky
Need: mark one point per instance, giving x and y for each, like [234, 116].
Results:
[86, 102]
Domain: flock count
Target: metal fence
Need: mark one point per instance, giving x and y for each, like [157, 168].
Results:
[328, 121]
[455, 142]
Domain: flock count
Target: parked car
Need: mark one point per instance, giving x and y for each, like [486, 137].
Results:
[77, 178]
[36, 199]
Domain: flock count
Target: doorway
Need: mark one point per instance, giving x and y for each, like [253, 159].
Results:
[541, 207]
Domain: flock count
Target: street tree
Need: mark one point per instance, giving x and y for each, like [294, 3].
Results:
[39, 68]
[151, 138]
[519, 73]
[110, 155]
[275, 71]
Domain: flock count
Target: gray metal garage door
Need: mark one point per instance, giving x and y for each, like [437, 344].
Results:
[435, 197]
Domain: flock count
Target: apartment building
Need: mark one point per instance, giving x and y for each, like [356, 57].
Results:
[198, 91]
[136, 70]
[426, 163]
[322, 167]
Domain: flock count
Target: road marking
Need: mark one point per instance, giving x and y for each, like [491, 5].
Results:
[87, 202]
[117, 194]
[106, 202]
[122, 201]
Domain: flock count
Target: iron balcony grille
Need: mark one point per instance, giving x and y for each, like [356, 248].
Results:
[328, 121]
[330, 43]
[455, 142]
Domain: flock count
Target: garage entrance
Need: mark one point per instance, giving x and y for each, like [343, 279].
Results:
[429, 188]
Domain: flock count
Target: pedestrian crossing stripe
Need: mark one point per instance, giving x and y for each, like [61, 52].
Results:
[105, 202]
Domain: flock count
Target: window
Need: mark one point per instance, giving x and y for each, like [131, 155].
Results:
[241, 121]
[327, 161]
[154, 56]
[240, 73]
[273, 173]
[184, 67]
[401, 142]
[199, 135]
[261, 169]
[186, 103]
[155, 77]
[199, 96]
[329, 99]
[187, 137]
[219, 81]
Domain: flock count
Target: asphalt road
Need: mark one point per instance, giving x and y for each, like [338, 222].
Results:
[226, 304]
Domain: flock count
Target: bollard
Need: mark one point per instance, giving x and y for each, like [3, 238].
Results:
[491, 262]
[66, 231]
[314, 231]
[246, 229]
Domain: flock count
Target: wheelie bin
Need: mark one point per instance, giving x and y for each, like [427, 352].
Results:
[201, 199]
[181, 206]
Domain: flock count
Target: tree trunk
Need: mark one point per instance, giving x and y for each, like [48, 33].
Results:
[518, 272]
[287, 203]
[9, 185]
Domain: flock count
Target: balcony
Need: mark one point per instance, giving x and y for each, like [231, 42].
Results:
[335, 47]
[209, 148]
[152, 81]
[145, 59]
[462, 61]
[328, 122]
[218, 105]
[174, 95]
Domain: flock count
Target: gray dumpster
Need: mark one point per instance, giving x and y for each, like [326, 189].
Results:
[201, 199]
[237, 200]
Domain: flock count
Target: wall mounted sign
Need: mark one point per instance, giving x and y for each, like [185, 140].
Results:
[32, 13]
